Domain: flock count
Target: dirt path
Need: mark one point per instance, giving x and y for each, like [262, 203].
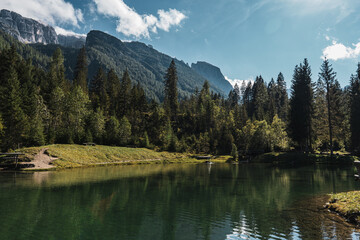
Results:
[42, 160]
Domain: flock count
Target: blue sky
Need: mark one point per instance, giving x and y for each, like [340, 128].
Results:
[245, 38]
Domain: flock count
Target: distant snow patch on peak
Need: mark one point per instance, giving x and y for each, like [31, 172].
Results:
[68, 33]
[239, 82]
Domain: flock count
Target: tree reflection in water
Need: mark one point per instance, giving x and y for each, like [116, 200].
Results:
[175, 202]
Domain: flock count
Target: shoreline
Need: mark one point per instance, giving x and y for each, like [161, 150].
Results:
[346, 205]
[65, 156]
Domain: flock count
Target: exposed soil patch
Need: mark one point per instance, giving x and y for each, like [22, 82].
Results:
[42, 160]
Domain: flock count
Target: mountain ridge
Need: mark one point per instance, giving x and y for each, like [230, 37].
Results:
[28, 30]
[146, 65]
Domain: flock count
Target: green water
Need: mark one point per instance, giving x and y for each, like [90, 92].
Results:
[176, 201]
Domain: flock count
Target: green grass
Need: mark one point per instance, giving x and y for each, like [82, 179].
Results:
[347, 204]
[71, 155]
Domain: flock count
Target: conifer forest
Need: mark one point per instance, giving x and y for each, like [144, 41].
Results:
[40, 106]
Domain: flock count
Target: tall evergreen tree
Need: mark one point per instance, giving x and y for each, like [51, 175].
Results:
[271, 105]
[125, 95]
[81, 70]
[301, 106]
[320, 116]
[355, 111]
[327, 75]
[247, 99]
[234, 97]
[171, 93]
[76, 112]
[56, 73]
[98, 91]
[113, 91]
[56, 108]
[260, 98]
[281, 98]
[38, 117]
[12, 113]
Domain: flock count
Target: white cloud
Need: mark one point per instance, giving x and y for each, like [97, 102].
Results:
[79, 15]
[130, 23]
[50, 12]
[64, 32]
[327, 38]
[169, 18]
[338, 51]
[239, 82]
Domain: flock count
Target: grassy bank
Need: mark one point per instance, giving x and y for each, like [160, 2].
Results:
[71, 155]
[347, 205]
[291, 157]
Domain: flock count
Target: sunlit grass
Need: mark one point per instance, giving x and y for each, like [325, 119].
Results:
[71, 155]
[347, 204]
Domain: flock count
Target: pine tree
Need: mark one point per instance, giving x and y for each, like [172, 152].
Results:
[234, 97]
[81, 70]
[56, 107]
[76, 112]
[320, 116]
[340, 124]
[260, 98]
[98, 91]
[271, 106]
[56, 73]
[355, 111]
[171, 93]
[247, 99]
[12, 113]
[327, 75]
[301, 106]
[39, 116]
[281, 98]
[125, 95]
[113, 91]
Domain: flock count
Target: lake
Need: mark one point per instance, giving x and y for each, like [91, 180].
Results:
[175, 201]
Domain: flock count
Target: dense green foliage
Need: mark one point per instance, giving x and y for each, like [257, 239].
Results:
[355, 110]
[301, 106]
[43, 107]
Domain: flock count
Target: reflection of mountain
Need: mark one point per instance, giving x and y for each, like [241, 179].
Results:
[175, 202]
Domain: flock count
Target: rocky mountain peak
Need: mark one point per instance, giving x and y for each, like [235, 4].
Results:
[26, 30]
[212, 74]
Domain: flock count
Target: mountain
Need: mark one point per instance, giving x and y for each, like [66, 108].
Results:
[213, 75]
[71, 41]
[145, 65]
[27, 30]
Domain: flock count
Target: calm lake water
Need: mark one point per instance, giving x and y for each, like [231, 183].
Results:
[219, 201]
